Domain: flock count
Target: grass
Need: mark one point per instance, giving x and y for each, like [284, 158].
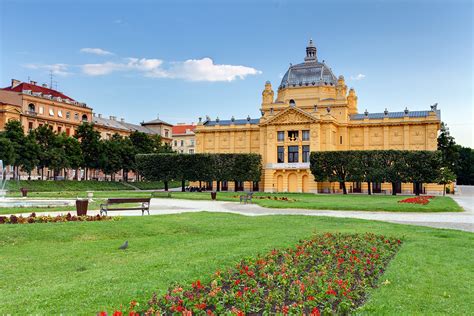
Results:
[75, 268]
[297, 200]
[352, 202]
[77, 186]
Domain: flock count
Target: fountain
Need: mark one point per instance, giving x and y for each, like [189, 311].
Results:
[12, 202]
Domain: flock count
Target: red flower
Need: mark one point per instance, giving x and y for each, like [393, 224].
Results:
[102, 314]
[117, 313]
[285, 309]
[201, 306]
[310, 298]
[238, 294]
[237, 282]
[197, 285]
[315, 312]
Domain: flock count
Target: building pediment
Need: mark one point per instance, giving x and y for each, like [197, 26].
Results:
[291, 115]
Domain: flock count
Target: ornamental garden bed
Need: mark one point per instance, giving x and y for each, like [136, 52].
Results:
[33, 218]
[327, 274]
[422, 199]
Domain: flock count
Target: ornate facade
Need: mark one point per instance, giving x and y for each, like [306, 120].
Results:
[315, 111]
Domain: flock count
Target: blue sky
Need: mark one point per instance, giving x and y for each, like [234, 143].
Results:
[186, 59]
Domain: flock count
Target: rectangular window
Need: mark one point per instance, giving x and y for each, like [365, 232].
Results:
[293, 154]
[293, 135]
[305, 135]
[68, 131]
[340, 140]
[175, 143]
[51, 112]
[281, 154]
[60, 113]
[68, 115]
[182, 143]
[191, 151]
[191, 142]
[281, 136]
[30, 126]
[59, 129]
[306, 153]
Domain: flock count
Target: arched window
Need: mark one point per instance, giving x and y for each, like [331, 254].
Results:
[84, 118]
[31, 107]
[292, 102]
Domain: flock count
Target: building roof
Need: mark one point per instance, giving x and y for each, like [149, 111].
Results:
[182, 128]
[156, 122]
[121, 125]
[310, 73]
[375, 116]
[38, 89]
[230, 122]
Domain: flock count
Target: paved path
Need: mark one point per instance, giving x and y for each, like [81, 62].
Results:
[455, 220]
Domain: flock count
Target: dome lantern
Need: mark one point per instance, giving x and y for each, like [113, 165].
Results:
[311, 52]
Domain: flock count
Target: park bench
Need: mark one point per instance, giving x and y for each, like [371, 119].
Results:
[145, 205]
[246, 197]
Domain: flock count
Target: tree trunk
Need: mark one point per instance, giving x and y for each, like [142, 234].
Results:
[368, 188]
[444, 189]
[394, 188]
[166, 186]
[218, 186]
[344, 190]
[183, 185]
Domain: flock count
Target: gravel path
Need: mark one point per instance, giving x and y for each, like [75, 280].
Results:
[455, 220]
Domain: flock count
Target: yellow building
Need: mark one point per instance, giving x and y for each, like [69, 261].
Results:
[314, 111]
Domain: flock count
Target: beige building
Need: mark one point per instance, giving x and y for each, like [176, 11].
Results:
[315, 111]
[184, 138]
[34, 105]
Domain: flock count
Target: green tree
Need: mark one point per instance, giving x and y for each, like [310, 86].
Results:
[90, 146]
[422, 166]
[393, 164]
[448, 148]
[445, 177]
[465, 170]
[28, 158]
[14, 132]
[72, 148]
[7, 151]
[333, 166]
[366, 166]
[111, 156]
[46, 139]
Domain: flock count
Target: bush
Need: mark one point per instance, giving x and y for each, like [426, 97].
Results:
[329, 273]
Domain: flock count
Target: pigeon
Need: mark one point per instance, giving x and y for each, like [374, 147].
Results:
[124, 246]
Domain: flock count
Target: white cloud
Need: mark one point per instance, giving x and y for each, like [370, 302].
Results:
[56, 69]
[358, 77]
[148, 66]
[193, 69]
[205, 70]
[96, 51]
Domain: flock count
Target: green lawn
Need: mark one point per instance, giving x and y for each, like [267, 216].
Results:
[353, 202]
[75, 268]
[297, 200]
[52, 186]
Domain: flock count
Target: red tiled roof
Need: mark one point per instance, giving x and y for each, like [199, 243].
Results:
[181, 129]
[34, 88]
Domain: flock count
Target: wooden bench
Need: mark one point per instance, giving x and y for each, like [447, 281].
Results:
[145, 205]
[246, 198]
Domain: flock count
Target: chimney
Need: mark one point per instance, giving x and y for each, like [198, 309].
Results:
[93, 114]
[44, 85]
[100, 115]
[15, 83]
[33, 82]
[122, 120]
[112, 118]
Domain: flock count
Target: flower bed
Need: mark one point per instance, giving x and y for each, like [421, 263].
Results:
[329, 273]
[268, 197]
[32, 218]
[422, 199]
